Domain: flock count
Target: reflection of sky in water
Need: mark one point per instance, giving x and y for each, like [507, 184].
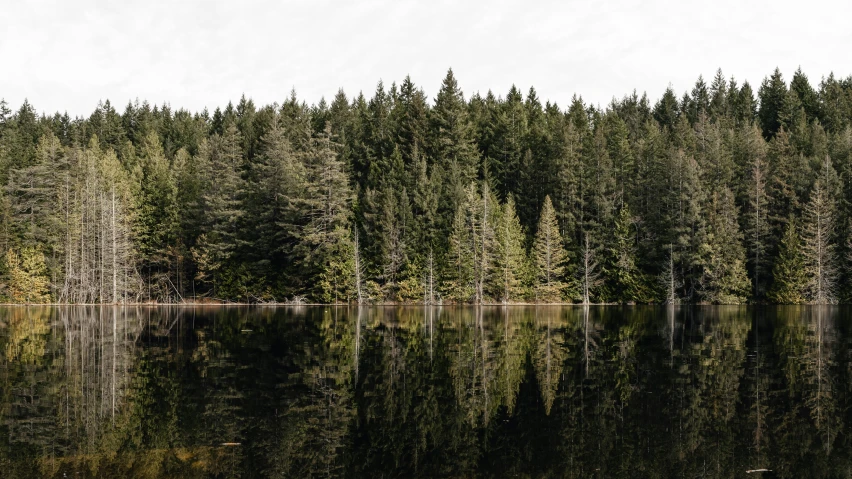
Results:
[414, 392]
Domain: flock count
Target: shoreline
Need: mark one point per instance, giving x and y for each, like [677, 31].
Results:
[384, 305]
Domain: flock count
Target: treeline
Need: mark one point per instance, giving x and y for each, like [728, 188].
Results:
[725, 195]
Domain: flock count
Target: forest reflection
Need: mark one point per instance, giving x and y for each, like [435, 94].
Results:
[543, 391]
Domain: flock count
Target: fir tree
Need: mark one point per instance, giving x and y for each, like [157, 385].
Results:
[452, 144]
[222, 160]
[549, 255]
[757, 223]
[325, 243]
[511, 255]
[460, 259]
[158, 210]
[628, 283]
[791, 278]
[724, 279]
[773, 92]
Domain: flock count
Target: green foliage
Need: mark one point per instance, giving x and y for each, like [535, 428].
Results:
[628, 282]
[325, 245]
[460, 263]
[511, 256]
[549, 256]
[261, 202]
[790, 270]
[724, 279]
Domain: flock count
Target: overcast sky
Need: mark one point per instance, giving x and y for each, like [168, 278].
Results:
[67, 55]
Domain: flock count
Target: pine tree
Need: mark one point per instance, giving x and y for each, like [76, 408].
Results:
[791, 279]
[567, 165]
[511, 255]
[484, 211]
[724, 279]
[719, 97]
[683, 219]
[460, 258]
[699, 101]
[667, 111]
[773, 92]
[757, 223]
[34, 193]
[549, 255]
[158, 213]
[325, 243]
[628, 283]
[452, 145]
[424, 204]
[222, 199]
[279, 195]
[393, 247]
[807, 96]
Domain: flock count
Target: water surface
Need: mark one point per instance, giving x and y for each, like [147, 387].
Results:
[425, 392]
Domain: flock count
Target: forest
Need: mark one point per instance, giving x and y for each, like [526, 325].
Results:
[724, 195]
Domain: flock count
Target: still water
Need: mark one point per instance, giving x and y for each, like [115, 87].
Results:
[421, 392]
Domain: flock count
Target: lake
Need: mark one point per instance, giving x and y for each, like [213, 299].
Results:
[523, 391]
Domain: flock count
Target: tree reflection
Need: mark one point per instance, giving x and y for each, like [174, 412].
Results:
[424, 392]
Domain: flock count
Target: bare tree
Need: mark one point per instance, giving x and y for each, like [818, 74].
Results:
[670, 279]
[589, 274]
[358, 269]
[819, 248]
[429, 283]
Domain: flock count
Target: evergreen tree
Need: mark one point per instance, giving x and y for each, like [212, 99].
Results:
[34, 194]
[460, 258]
[325, 242]
[835, 103]
[158, 213]
[718, 108]
[567, 191]
[699, 101]
[484, 210]
[393, 247]
[424, 203]
[790, 273]
[222, 160]
[549, 256]
[666, 111]
[757, 224]
[805, 93]
[279, 201]
[684, 220]
[511, 256]
[452, 145]
[745, 107]
[724, 279]
[773, 93]
[628, 281]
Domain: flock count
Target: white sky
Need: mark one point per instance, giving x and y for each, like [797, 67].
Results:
[67, 55]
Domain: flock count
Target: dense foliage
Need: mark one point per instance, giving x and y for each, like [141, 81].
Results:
[398, 198]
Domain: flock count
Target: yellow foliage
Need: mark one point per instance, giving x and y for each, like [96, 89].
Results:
[28, 328]
[28, 281]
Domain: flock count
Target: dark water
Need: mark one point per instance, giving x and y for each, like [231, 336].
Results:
[414, 392]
